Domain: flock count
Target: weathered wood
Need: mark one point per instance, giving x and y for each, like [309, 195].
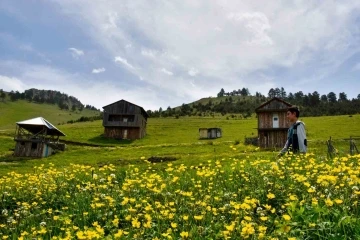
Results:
[32, 149]
[276, 104]
[210, 133]
[271, 139]
[265, 120]
[124, 133]
[272, 123]
[34, 140]
[124, 120]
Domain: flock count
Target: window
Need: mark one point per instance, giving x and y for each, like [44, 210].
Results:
[33, 145]
[114, 118]
[119, 118]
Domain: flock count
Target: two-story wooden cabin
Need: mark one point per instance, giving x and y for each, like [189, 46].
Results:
[124, 120]
[272, 123]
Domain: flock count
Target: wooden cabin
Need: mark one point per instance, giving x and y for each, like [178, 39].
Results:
[208, 133]
[272, 123]
[37, 137]
[124, 120]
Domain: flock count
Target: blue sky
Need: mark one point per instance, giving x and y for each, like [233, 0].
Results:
[164, 53]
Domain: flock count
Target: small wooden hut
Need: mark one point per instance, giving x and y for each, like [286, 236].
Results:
[209, 133]
[37, 137]
[272, 123]
[124, 120]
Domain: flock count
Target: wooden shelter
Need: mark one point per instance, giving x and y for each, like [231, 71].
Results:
[272, 123]
[37, 137]
[209, 133]
[124, 120]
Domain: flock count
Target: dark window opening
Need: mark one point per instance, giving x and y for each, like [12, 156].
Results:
[22, 143]
[33, 145]
[114, 118]
[119, 118]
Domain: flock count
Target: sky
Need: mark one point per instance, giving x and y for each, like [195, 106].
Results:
[162, 53]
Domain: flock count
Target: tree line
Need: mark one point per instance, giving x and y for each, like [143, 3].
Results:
[242, 102]
[64, 101]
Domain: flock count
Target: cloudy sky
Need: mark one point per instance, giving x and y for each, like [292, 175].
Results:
[162, 53]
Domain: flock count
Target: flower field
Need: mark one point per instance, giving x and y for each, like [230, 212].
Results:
[295, 197]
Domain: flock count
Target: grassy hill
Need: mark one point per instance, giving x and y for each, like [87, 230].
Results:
[12, 112]
[217, 100]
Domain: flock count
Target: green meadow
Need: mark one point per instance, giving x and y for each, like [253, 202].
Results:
[100, 188]
[175, 138]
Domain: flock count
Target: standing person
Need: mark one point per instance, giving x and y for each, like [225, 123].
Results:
[296, 136]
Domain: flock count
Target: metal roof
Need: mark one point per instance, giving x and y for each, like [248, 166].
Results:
[36, 125]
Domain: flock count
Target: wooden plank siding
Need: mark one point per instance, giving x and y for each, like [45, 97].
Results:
[265, 120]
[119, 132]
[272, 133]
[121, 116]
[270, 139]
[29, 149]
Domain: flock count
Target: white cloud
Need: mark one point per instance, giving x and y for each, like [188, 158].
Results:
[149, 53]
[76, 53]
[257, 24]
[11, 84]
[193, 72]
[231, 43]
[85, 88]
[98, 70]
[164, 70]
[124, 61]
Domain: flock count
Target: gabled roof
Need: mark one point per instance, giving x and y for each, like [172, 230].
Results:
[36, 125]
[122, 100]
[273, 99]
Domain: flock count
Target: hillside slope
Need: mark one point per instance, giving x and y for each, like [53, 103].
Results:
[12, 112]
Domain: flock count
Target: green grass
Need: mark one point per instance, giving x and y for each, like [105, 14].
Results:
[12, 112]
[164, 131]
[216, 172]
[176, 138]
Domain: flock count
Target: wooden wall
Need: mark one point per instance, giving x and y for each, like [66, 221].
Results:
[121, 110]
[271, 139]
[118, 132]
[265, 119]
[29, 149]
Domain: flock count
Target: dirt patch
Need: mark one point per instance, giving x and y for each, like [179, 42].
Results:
[155, 159]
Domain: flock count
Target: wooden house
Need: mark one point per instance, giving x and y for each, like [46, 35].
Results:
[124, 120]
[37, 137]
[272, 123]
[208, 133]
